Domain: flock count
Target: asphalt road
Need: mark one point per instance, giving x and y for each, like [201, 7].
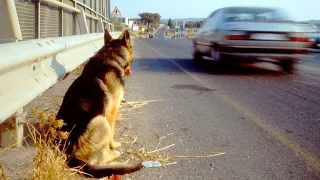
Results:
[160, 32]
[267, 122]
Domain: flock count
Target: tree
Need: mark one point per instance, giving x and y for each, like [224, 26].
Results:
[199, 24]
[170, 23]
[150, 18]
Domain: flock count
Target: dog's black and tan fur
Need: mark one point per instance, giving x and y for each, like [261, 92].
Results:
[90, 107]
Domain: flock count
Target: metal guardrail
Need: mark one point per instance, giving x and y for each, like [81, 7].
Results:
[31, 67]
[40, 42]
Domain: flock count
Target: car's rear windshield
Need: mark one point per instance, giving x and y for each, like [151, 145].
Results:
[254, 15]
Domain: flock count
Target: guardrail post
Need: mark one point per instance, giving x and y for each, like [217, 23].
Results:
[61, 20]
[100, 25]
[37, 20]
[83, 22]
[112, 27]
[74, 19]
[107, 26]
[10, 28]
[11, 131]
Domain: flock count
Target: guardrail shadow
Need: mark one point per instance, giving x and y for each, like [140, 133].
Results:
[59, 69]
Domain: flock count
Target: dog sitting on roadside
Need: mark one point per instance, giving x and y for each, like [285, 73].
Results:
[90, 108]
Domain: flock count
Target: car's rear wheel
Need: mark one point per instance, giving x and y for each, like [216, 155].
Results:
[219, 58]
[287, 65]
[215, 55]
[197, 56]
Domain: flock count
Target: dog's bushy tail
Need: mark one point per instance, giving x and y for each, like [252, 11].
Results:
[113, 168]
[105, 170]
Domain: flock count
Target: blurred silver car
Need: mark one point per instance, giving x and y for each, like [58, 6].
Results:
[251, 34]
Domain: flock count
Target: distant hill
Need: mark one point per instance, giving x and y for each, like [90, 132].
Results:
[183, 19]
[165, 21]
[201, 19]
[315, 22]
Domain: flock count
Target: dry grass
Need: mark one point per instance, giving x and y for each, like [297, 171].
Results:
[79, 69]
[138, 34]
[155, 154]
[2, 176]
[137, 148]
[191, 32]
[169, 33]
[50, 161]
[133, 34]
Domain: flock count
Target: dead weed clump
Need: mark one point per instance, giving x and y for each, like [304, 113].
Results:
[50, 160]
[2, 176]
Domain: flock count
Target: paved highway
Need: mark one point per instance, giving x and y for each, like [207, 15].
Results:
[266, 122]
[160, 32]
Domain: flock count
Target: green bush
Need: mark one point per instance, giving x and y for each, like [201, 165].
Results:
[119, 26]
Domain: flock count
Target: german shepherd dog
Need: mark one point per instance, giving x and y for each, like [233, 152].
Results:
[90, 107]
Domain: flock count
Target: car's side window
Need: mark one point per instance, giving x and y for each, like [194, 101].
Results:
[216, 19]
[208, 21]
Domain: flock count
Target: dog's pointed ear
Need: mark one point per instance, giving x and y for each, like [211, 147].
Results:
[126, 38]
[107, 37]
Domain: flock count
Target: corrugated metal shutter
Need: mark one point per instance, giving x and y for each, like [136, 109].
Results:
[102, 8]
[88, 3]
[77, 22]
[49, 21]
[51, 16]
[26, 16]
[95, 29]
[94, 26]
[68, 23]
[98, 7]
[69, 2]
[94, 5]
[77, 27]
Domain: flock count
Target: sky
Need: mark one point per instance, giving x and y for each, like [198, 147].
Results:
[297, 9]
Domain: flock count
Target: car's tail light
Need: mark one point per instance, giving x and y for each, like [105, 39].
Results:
[236, 37]
[299, 39]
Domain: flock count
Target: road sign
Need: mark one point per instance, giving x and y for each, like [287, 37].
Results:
[116, 12]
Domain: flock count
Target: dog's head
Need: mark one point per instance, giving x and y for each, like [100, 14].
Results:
[121, 48]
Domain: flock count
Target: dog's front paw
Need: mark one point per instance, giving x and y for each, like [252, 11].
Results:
[114, 145]
[112, 155]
